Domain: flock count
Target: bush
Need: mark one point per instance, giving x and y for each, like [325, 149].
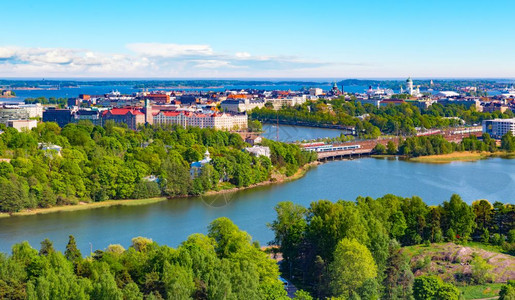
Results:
[379, 149]
[496, 239]
[511, 236]
[451, 235]
[146, 189]
[485, 237]
[432, 287]
[507, 291]
[481, 270]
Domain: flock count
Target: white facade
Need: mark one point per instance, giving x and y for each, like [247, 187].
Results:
[241, 105]
[498, 127]
[290, 101]
[34, 110]
[21, 124]
[316, 91]
[409, 86]
[447, 94]
[259, 150]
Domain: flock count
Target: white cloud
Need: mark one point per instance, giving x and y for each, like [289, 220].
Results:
[6, 52]
[146, 60]
[243, 55]
[211, 64]
[169, 50]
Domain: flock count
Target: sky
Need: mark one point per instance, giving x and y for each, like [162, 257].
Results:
[257, 39]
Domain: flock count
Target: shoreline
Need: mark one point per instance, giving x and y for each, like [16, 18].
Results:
[83, 206]
[464, 156]
[133, 202]
[282, 179]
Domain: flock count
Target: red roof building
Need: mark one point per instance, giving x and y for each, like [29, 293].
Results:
[159, 98]
[130, 116]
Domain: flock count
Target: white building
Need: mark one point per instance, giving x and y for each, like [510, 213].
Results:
[17, 111]
[259, 151]
[411, 90]
[316, 91]
[34, 110]
[379, 93]
[498, 127]
[447, 94]
[21, 124]
[221, 121]
[241, 105]
[289, 101]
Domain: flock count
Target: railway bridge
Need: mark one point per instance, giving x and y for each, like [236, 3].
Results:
[342, 154]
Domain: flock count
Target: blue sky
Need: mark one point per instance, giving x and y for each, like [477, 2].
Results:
[281, 38]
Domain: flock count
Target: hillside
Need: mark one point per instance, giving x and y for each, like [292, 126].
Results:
[453, 262]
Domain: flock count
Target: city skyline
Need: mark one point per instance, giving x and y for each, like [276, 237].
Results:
[281, 39]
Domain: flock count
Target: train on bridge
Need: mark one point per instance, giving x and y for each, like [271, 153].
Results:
[321, 147]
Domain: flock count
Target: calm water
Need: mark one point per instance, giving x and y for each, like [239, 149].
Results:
[126, 89]
[170, 222]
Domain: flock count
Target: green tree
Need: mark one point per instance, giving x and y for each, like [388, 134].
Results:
[47, 247]
[132, 292]
[448, 291]
[507, 291]
[105, 288]
[72, 253]
[178, 282]
[353, 265]
[379, 149]
[289, 228]
[391, 148]
[459, 217]
[426, 287]
[302, 295]
[483, 211]
[228, 237]
[398, 281]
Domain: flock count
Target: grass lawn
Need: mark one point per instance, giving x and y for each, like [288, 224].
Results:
[419, 249]
[487, 247]
[488, 290]
[447, 158]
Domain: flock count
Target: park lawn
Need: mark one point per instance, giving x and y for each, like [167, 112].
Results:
[488, 290]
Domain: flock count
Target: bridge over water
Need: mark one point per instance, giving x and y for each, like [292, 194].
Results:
[331, 155]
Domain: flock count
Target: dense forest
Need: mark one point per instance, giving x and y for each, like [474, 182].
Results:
[371, 121]
[224, 264]
[110, 162]
[353, 249]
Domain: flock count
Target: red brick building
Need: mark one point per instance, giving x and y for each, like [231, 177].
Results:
[130, 116]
